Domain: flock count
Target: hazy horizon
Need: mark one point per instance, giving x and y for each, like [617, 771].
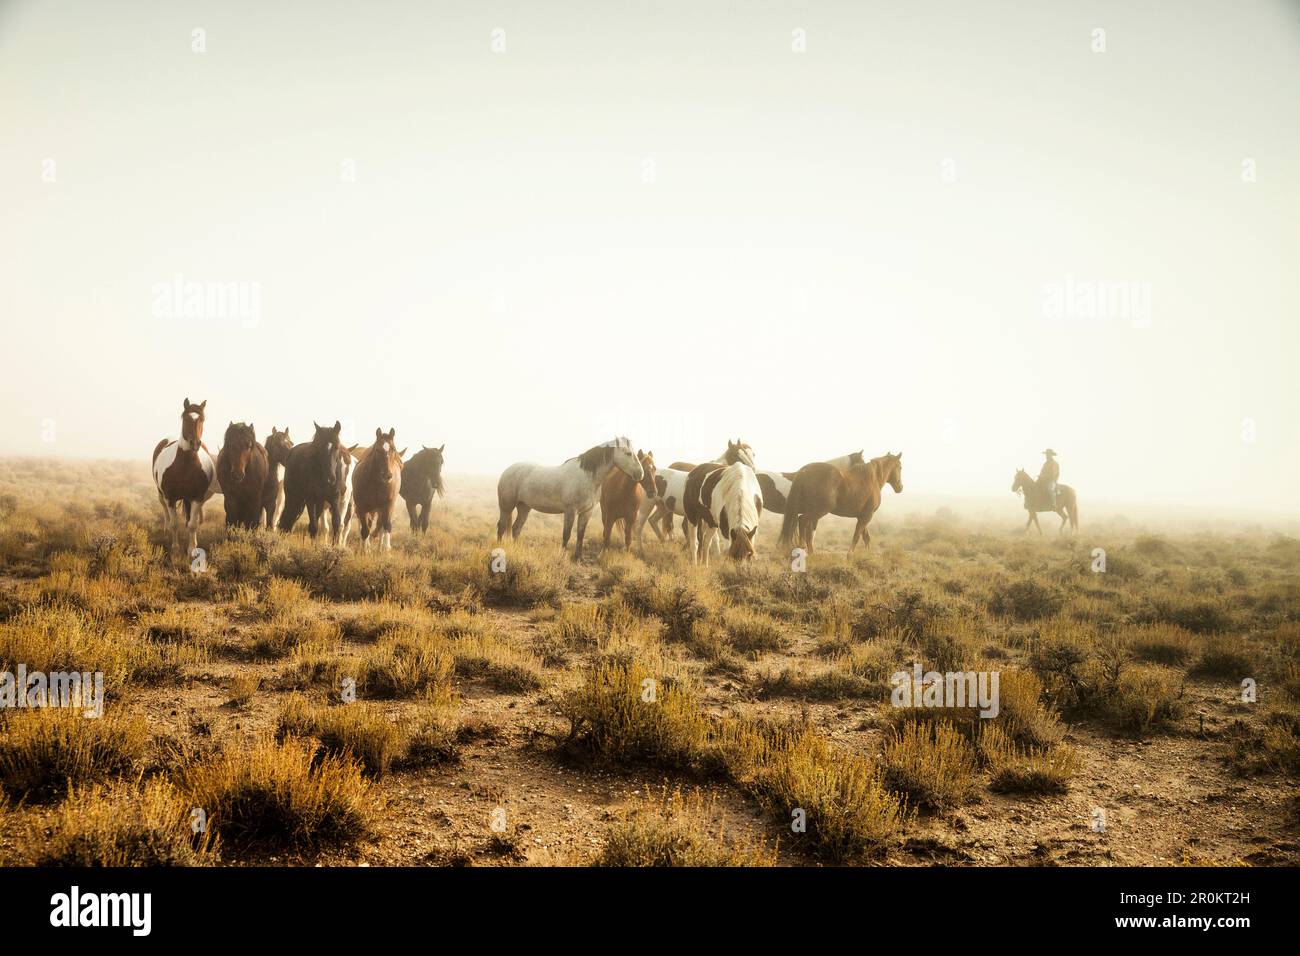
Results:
[519, 229]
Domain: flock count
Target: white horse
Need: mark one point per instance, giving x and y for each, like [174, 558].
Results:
[349, 465]
[570, 489]
[726, 500]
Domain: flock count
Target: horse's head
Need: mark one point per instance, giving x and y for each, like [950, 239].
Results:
[328, 448]
[192, 423]
[647, 459]
[388, 460]
[738, 451]
[893, 471]
[626, 461]
[238, 443]
[435, 459]
[742, 545]
[278, 446]
[1021, 481]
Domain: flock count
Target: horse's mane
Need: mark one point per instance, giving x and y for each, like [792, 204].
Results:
[592, 459]
[731, 486]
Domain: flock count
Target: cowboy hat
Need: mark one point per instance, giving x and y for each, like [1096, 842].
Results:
[1048, 451]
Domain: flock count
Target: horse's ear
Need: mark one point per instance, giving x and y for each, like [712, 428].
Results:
[899, 456]
[402, 453]
[186, 406]
[442, 446]
[338, 426]
[379, 433]
[252, 428]
[314, 425]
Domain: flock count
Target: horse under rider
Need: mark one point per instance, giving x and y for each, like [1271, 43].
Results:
[1047, 478]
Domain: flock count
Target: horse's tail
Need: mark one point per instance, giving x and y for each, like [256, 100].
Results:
[1074, 512]
[790, 520]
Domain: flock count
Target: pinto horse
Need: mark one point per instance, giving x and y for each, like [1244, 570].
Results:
[569, 489]
[315, 478]
[1067, 502]
[241, 470]
[724, 499]
[621, 498]
[278, 446]
[376, 482]
[821, 488]
[421, 480]
[185, 476]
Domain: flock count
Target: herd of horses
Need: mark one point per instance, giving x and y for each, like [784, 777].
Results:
[719, 502]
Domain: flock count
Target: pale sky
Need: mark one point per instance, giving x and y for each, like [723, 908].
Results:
[519, 227]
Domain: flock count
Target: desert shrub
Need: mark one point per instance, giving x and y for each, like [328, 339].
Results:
[236, 560]
[286, 633]
[1146, 697]
[929, 765]
[45, 751]
[1198, 615]
[1018, 769]
[242, 688]
[850, 815]
[752, 632]
[1269, 746]
[623, 712]
[375, 619]
[672, 830]
[497, 663]
[284, 597]
[1026, 600]
[121, 826]
[1163, 644]
[1227, 657]
[281, 794]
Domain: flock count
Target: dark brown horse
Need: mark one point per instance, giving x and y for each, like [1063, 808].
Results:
[278, 446]
[1067, 502]
[821, 488]
[316, 478]
[185, 476]
[241, 470]
[421, 480]
[376, 482]
[621, 497]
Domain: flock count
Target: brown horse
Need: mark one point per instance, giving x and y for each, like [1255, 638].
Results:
[1067, 502]
[316, 478]
[821, 488]
[241, 470]
[278, 446]
[376, 483]
[421, 480]
[621, 497]
[185, 476]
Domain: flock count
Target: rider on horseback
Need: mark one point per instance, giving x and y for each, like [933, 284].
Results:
[1047, 478]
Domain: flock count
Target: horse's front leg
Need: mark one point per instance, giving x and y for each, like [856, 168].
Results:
[313, 519]
[415, 520]
[583, 518]
[1028, 522]
[387, 540]
[192, 525]
[568, 528]
[336, 521]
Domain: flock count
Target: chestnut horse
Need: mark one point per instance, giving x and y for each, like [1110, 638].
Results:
[278, 446]
[185, 476]
[1067, 502]
[421, 480]
[241, 470]
[315, 478]
[621, 497]
[821, 488]
[376, 482]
